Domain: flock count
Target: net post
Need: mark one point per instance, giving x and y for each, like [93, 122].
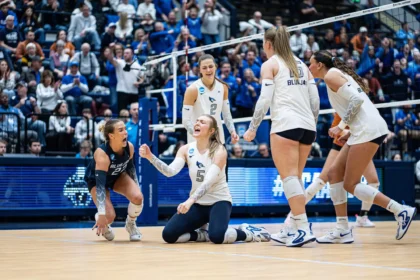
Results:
[146, 173]
[174, 71]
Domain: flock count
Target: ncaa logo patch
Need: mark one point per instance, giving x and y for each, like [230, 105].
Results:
[112, 156]
[201, 90]
[191, 151]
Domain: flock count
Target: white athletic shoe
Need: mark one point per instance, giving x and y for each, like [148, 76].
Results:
[301, 237]
[259, 234]
[132, 229]
[404, 219]
[109, 234]
[363, 221]
[337, 236]
[203, 233]
[284, 235]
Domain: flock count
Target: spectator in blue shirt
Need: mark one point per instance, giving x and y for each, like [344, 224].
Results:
[161, 40]
[403, 35]
[4, 12]
[172, 24]
[339, 24]
[247, 95]
[226, 76]
[405, 53]
[385, 54]
[163, 8]
[367, 60]
[194, 23]
[133, 124]
[406, 124]
[74, 87]
[250, 62]
[9, 123]
[413, 68]
[85, 150]
[180, 44]
[141, 45]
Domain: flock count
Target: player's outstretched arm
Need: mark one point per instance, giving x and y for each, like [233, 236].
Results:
[167, 170]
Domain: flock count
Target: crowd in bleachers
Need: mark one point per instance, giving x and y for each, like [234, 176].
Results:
[93, 68]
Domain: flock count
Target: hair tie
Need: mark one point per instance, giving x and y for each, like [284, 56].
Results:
[332, 59]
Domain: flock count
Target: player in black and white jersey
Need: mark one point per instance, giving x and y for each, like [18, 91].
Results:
[289, 91]
[112, 168]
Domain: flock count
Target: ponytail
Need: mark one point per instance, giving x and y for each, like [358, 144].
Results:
[215, 142]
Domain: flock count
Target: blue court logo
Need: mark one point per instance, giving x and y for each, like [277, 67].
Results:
[201, 90]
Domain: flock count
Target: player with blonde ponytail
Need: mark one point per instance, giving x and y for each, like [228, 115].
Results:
[210, 200]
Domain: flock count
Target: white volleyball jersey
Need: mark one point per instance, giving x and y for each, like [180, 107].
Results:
[209, 102]
[368, 123]
[290, 107]
[198, 165]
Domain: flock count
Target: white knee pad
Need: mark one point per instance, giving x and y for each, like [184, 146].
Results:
[292, 187]
[230, 236]
[134, 210]
[365, 193]
[303, 186]
[338, 193]
[375, 185]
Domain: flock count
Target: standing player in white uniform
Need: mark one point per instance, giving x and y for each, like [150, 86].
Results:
[210, 200]
[208, 95]
[346, 92]
[290, 91]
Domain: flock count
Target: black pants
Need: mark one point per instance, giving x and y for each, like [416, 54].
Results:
[217, 215]
[125, 99]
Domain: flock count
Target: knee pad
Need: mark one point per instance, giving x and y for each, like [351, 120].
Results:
[230, 236]
[134, 210]
[375, 185]
[365, 193]
[168, 236]
[292, 187]
[338, 193]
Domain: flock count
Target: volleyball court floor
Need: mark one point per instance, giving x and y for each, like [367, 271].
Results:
[77, 253]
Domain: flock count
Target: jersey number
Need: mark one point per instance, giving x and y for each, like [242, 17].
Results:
[213, 108]
[200, 175]
[300, 70]
[116, 171]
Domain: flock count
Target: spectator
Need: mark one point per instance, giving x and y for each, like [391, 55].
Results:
[9, 123]
[124, 115]
[9, 36]
[237, 151]
[278, 21]
[413, 68]
[407, 126]
[259, 24]
[311, 44]
[227, 77]
[52, 18]
[368, 60]
[28, 22]
[29, 106]
[86, 129]
[68, 46]
[112, 75]
[60, 135]
[128, 78]
[163, 8]
[180, 41]
[263, 151]
[108, 38]
[405, 53]
[83, 29]
[7, 79]
[339, 25]
[28, 56]
[75, 88]
[85, 150]
[403, 35]
[344, 45]
[34, 147]
[59, 61]
[3, 147]
[133, 124]
[147, 7]
[141, 45]
[48, 93]
[328, 42]
[250, 63]
[247, 95]
[385, 57]
[397, 157]
[307, 11]
[397, 84]
[125, 7]
[88, 65]
[21, 48]
[161, 40]
[102, 12]
[194, 23]
[211, 20]
[33, 76]
[148, 23]
[107, 117]
[172, 24]
[359, 41]
[124, 28]
[4, 12]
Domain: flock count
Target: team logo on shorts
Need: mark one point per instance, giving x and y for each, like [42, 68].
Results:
[112, 156]
[201, 90]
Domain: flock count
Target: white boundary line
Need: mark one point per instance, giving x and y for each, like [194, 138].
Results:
[291, 28]
[321, 112]
[405, 269]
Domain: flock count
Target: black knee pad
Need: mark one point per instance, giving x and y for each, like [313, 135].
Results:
[217, 237]
[168, 236]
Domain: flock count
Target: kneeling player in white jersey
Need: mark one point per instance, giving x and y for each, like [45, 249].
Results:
[210, 200]
[347, 95]
[292, 96]
[208, 95]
